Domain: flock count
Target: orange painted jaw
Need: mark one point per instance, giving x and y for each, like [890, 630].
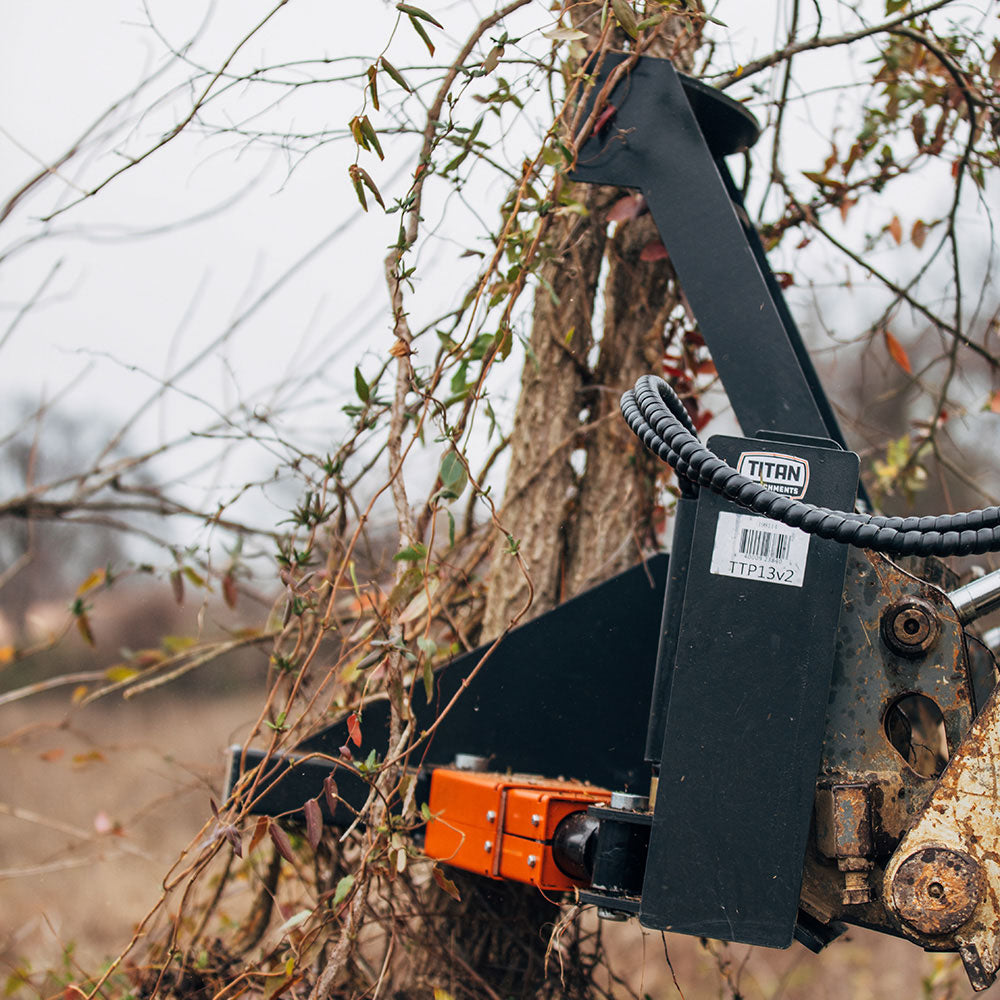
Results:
[502, 825]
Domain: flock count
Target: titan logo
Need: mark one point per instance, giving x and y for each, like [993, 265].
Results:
[784, 474]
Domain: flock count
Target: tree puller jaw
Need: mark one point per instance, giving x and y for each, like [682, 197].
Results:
[789, 726]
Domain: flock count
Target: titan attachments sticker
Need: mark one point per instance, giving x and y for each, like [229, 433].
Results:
[785, 474]
[756, 548]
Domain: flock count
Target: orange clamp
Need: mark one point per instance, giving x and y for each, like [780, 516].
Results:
[502, 825]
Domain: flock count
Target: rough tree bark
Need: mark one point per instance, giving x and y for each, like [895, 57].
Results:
[573, 528]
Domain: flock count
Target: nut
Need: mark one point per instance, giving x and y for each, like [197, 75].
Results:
[935, 890]
[910, 627]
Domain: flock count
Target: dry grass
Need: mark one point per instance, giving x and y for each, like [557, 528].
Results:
[147, 769]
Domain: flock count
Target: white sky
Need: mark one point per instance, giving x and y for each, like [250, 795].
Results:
[130, 310]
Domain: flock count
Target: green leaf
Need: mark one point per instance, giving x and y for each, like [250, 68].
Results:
[359, 189]
[344, 887]
[453, 474]
[419, 29]
[368, 131]
[292, 922]
[360, 385]
[625, 16]
[451, 528]
[396, 76]
[425, 811]
[359, 136]
[360, 177]
[407, 8]
[417, 552]
[373, 84]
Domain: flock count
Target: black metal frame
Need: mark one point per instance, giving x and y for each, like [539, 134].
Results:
[554, 697]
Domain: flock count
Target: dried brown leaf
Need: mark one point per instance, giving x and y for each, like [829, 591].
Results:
[446, 884]
[898, 353]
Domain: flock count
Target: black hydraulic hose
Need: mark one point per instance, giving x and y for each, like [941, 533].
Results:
[659, 419]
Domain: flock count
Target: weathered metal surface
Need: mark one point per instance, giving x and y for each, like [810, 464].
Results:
[911, 627]
[961, 817]
[844, 834]
[936, 890]
[871, 677]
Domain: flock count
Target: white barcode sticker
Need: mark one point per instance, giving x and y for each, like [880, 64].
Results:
[756, 548]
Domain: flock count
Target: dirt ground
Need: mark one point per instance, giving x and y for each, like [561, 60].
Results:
[96, 805]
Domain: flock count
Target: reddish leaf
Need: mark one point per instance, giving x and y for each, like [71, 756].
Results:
[654, 251]
[345, 752]
[281, 842]
[229, 592]
[702, 419]
[629, 207]
[49, 756]
[995, 402]
[706, 367]
[604, 117]
[919, 233]
[845, 207]
[235, 841]
[896, 232]
[446, 883]
[258, 833]
[897, 353]
[314, 822]
[330, 793]
[354, 728]
[785, 279]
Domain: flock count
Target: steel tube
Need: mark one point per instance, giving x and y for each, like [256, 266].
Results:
[977, 598]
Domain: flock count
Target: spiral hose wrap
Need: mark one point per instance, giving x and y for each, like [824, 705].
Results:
[659, 419]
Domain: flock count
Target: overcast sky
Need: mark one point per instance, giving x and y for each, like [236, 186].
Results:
[133, 289]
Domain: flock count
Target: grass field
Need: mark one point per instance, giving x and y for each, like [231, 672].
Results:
[94, 808]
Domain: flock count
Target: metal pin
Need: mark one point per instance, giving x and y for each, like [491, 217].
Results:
[490, 816]
[532, 861]
[488, 846]
[536, 819]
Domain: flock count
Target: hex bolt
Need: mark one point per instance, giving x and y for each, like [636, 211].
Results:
[536, 819]
[532, 860]
[490, 816]
[488, 846]
[910, 627]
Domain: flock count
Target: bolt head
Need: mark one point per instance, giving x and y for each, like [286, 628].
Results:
[936, 890]
[910, 627]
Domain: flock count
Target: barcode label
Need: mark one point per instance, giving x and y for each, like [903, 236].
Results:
[764, 545]
[756, 548]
